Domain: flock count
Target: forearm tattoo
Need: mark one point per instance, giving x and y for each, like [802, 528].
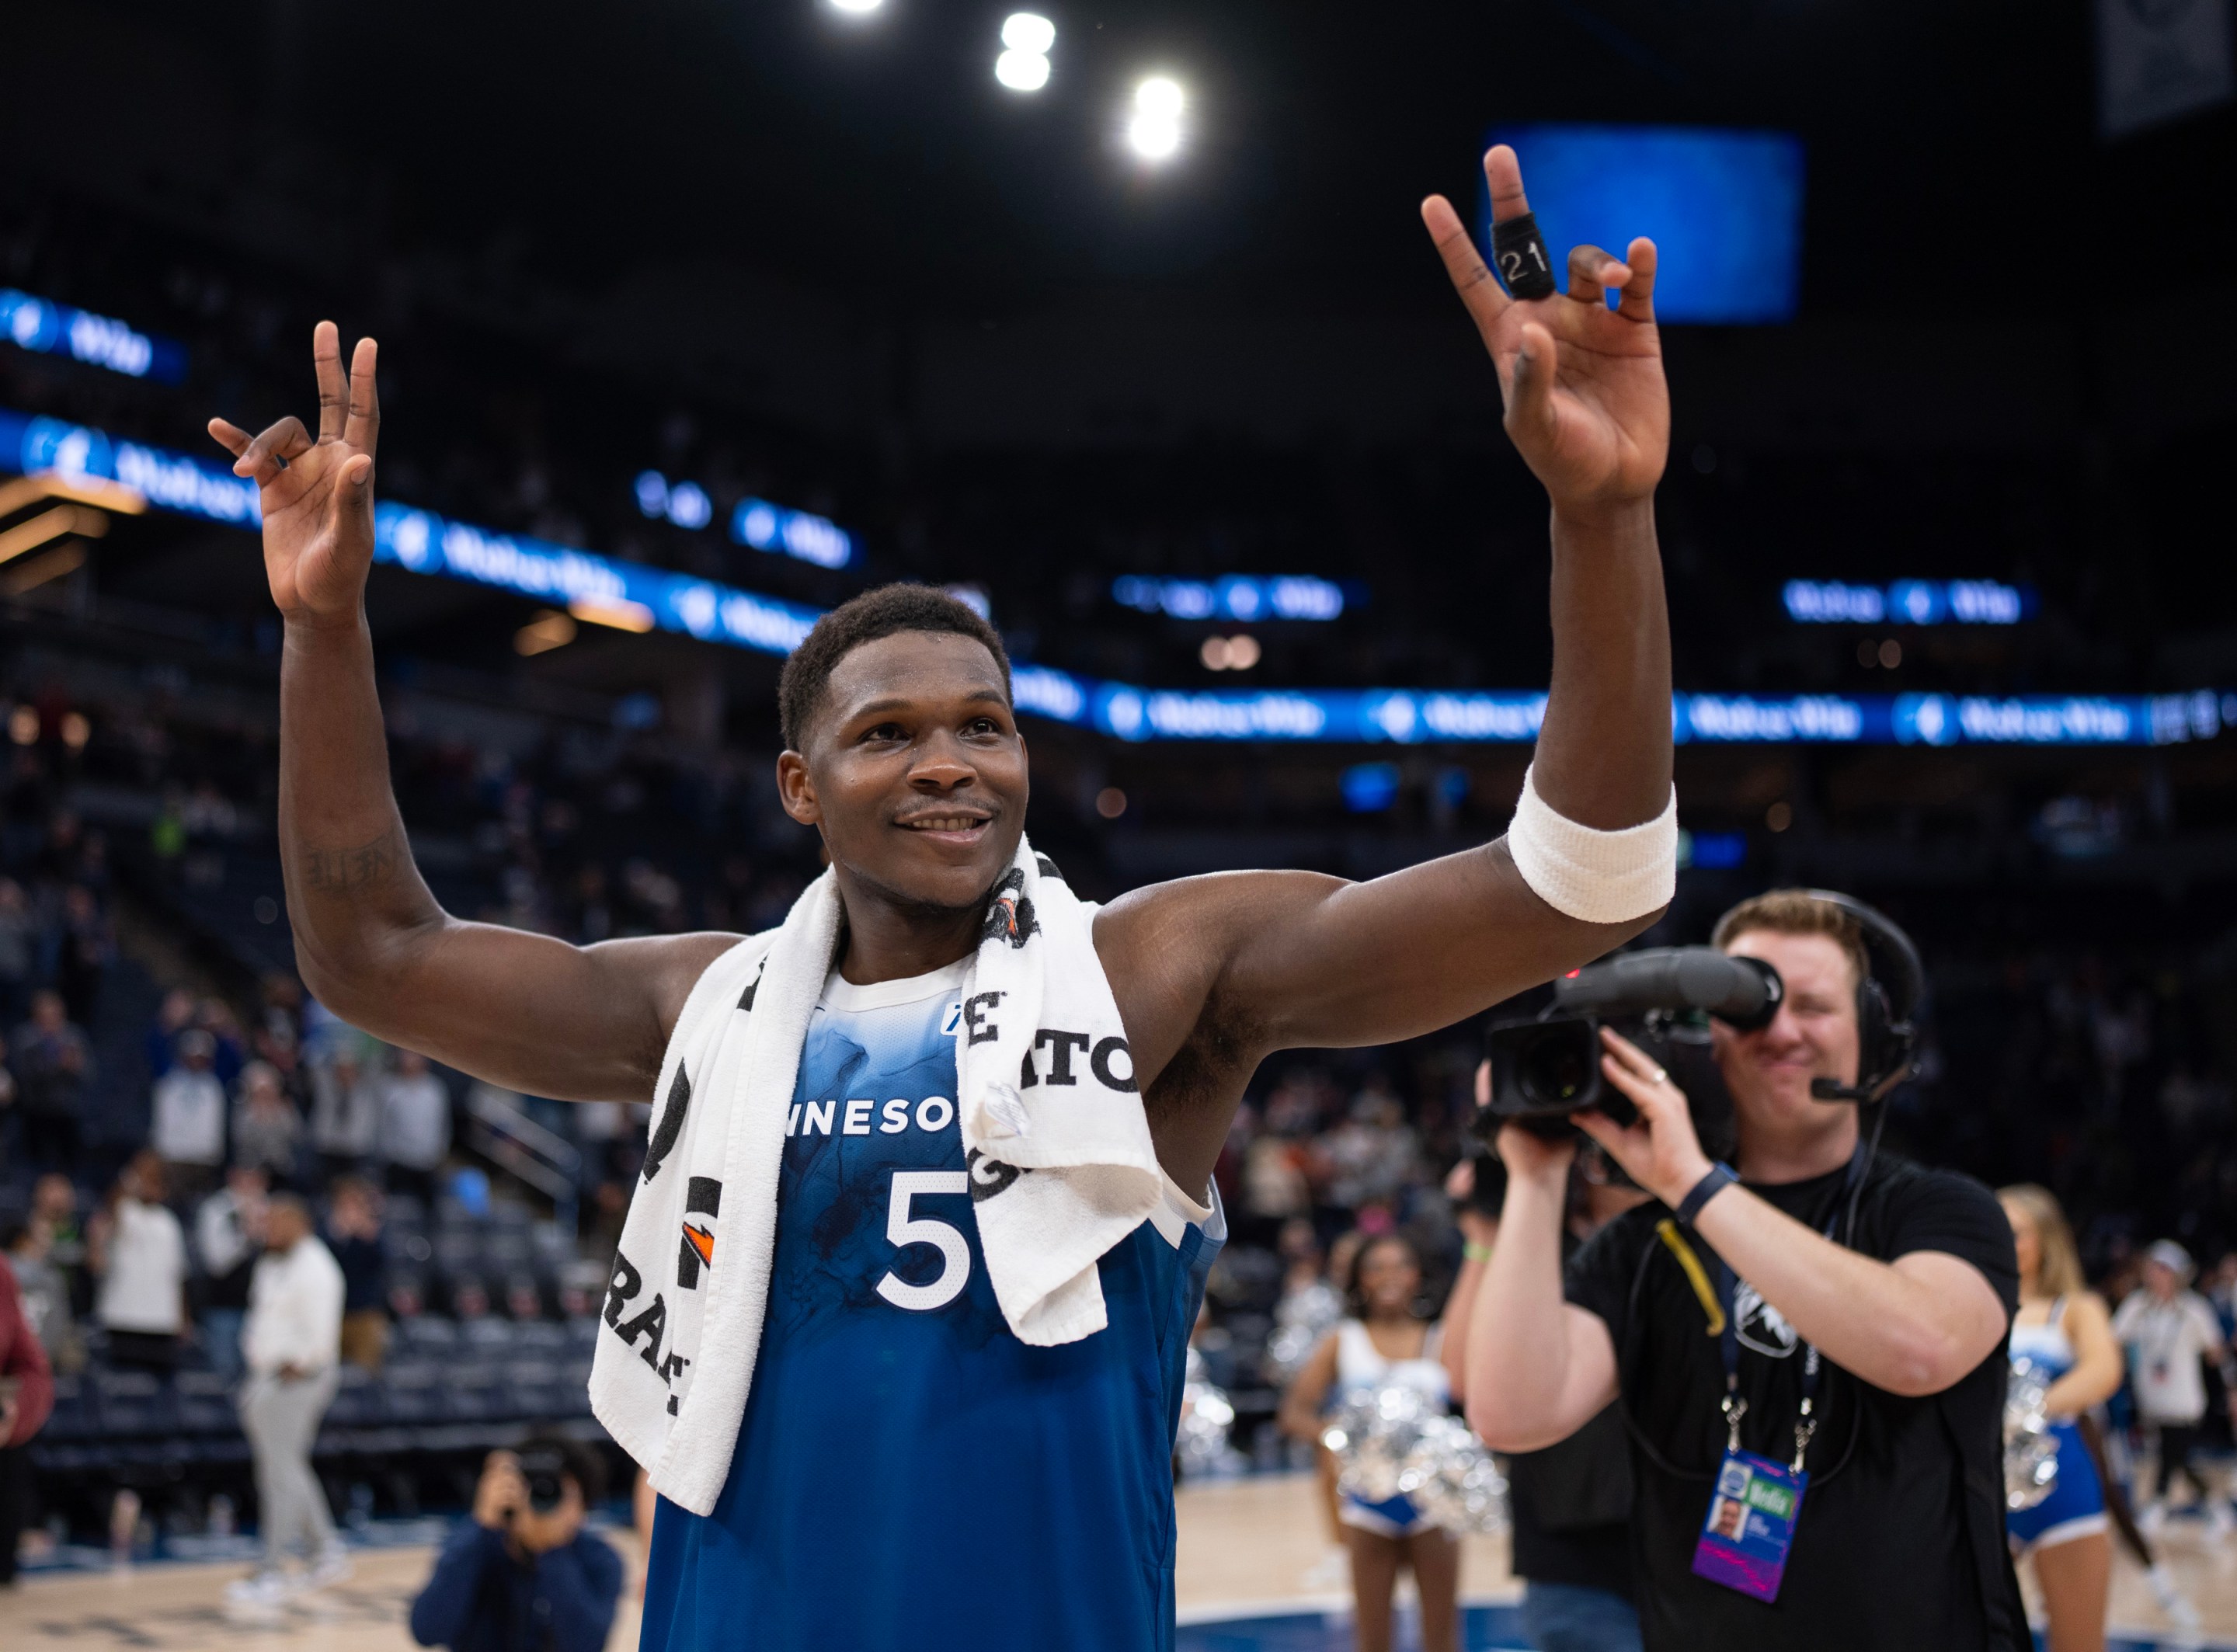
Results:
[352, 871]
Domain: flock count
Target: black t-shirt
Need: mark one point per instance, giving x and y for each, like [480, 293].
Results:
[1900, 1542]
[1570, 1506]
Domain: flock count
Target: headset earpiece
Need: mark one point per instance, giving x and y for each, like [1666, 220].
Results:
[1887, 999]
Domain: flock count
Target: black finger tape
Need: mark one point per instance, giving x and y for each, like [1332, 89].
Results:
[1518, 253]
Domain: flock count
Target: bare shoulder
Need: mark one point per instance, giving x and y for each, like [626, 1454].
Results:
[668, 965]
[2088, 1305]
[1165, 946]
[1209, 909]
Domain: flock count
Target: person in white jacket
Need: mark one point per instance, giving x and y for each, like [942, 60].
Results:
[291, 1345]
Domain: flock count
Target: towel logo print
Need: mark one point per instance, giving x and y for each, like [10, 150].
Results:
[703, 1198]
[1011, 915]
[989, 1176]
[671, 1124]
[623, 1289]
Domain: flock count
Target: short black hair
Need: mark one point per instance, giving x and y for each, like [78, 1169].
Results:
[886, 611]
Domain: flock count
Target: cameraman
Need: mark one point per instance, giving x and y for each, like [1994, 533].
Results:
[519, 1578]
[1834, 1304]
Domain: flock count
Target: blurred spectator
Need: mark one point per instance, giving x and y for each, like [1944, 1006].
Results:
[523, 1576]
[53, 1068]
[228, 1237]
[2170, 1331]
[291, 1342]
[54, 1218]
[1274, 1184]
[345, 1112]
[11, 1123]
[27, 1394]
[140, 1256]
[415, 1125]
[188, 1130]
[83, 957]
[19, 950]
[46, 1296]
[173, 1016]
[1309, 1298]
[2219, 1289]
[354, 1236]
[1374, 1155]
[215, 1017]
[267, 1132]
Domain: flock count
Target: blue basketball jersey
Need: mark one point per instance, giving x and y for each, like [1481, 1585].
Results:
[909, 1473]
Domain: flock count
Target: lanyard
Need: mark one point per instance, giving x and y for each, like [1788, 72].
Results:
[1733, 1406]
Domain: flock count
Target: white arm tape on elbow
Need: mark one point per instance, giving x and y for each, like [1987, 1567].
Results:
[1592, 875]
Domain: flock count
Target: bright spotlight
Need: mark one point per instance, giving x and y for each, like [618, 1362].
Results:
[1155, 131]
[1022, 71]
[1159, 96]
[858, 7]
[1027, 32]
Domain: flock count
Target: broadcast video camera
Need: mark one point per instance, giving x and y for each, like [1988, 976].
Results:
[1546, 1068]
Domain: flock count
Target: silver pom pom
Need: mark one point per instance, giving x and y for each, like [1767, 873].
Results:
[1203, 1444]
[1399, 1442]
[2030, 1448]
[1303, 1319]
[1452, 1479]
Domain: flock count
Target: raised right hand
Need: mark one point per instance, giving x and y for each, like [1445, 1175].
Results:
[502, 1493]
[317, 495]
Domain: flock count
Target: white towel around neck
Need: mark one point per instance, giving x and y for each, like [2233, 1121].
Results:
[1056, 1144]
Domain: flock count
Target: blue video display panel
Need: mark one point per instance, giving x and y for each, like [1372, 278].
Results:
[422, 542]
[1723, 208]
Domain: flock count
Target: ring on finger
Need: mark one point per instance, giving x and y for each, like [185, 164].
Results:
[1658, 1077]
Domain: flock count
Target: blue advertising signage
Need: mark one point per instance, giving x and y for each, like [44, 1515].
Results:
[647, 599]
[42, 325]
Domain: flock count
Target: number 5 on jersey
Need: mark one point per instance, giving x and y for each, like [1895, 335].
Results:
[904, 1229]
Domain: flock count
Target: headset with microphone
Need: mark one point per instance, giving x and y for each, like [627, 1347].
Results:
[1888, 997]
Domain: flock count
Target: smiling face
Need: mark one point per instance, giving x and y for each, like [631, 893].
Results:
[1389, 1279]
[914, 771]
[1814, 1036]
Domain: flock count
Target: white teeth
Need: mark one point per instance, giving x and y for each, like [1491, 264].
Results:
[944, 824]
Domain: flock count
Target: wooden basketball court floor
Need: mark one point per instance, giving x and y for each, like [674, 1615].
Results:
[1246, 1549]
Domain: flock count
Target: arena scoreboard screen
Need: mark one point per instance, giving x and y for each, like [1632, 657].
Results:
[1723, 207]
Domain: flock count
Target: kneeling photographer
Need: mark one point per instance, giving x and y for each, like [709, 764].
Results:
[1807, 1350]
[523, 1576]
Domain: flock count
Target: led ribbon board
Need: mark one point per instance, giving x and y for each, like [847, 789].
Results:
[1239, 597]
[1908, 602]
[756, 523]
[651, 598]
[50, 328]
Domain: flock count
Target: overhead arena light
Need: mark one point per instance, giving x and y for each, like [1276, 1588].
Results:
[858, 8]
[1155, 131]
[1024, 64]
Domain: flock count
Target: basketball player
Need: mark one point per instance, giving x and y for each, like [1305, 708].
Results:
[922, 1478]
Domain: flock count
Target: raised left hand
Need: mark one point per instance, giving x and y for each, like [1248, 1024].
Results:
[1661, 1152]
[1587, 404]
